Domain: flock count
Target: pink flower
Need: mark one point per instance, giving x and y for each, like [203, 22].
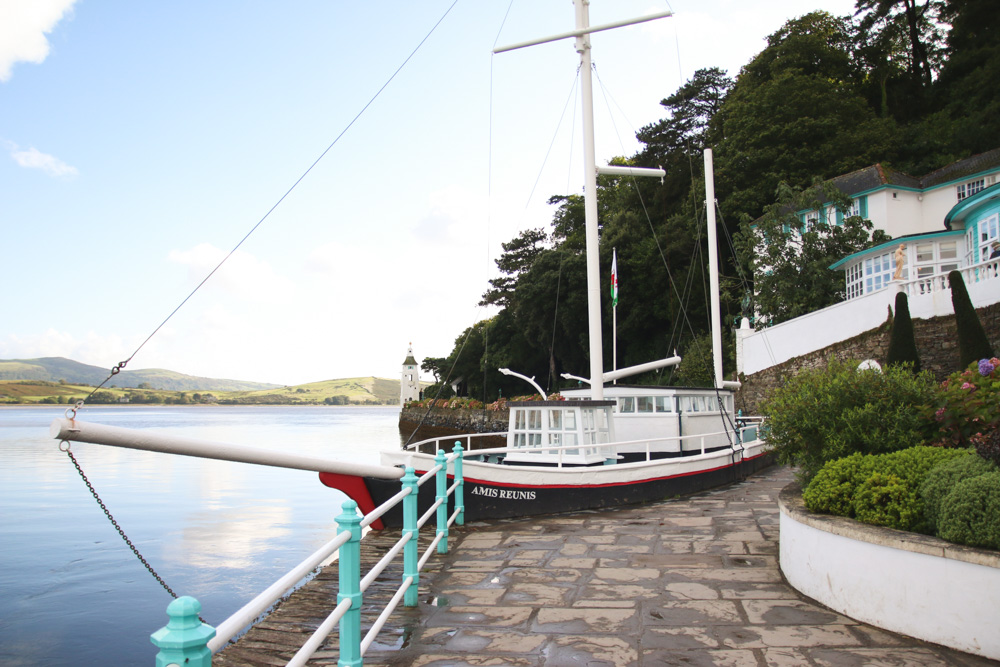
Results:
[939, 415]
[966, 385]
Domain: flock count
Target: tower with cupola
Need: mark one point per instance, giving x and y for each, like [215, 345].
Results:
[409, 382]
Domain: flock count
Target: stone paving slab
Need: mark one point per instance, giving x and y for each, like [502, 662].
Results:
[689, 581]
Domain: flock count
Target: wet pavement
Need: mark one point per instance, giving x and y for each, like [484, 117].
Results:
[690, 581]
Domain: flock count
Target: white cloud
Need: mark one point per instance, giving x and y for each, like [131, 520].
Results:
[242, 275]
[32, 158]
[24, 25]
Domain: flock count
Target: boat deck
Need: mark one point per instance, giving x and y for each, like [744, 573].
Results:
[691, 581]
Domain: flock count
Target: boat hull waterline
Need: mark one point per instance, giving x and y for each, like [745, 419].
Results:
[494, 491]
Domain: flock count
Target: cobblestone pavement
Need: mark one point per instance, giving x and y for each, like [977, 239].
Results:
[691, 581]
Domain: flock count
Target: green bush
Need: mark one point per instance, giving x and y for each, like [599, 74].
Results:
[940, 481]
[826, 414]
[831, 491]
[882, 490]
[970, 514]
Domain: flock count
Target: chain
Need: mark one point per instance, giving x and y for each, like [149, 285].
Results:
[65, 446]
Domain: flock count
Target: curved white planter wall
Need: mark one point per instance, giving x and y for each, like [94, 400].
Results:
[912, 584]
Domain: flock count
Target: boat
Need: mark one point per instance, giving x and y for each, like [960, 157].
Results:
[599, 446]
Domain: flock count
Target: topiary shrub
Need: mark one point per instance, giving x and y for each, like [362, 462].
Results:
[883, 490]
[941, 480]
[886, 500]
[890, 494]
[970, 514]
[829, 413]
[902, 344]
[988, 446]
[972, 341]
[831, 491]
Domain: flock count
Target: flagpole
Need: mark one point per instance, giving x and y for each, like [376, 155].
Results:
[614, 311]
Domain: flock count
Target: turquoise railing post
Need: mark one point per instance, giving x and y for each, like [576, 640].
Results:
[350, 586]
[442, 495]
[411, 559]
[184, 640]
[460, 488]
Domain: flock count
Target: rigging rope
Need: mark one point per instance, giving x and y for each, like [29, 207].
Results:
[121, 365]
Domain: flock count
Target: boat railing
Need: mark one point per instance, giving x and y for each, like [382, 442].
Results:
[434, 444]
[187, 640]
[749, 429]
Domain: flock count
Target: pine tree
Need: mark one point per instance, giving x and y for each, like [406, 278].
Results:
[973, 344]
[902, 344]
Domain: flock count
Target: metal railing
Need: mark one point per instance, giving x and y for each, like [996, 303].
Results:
[187, 641]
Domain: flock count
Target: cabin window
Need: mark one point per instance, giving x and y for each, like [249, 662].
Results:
[626, 404]
[925, 252]
[664, 404]
[645, 404]
[534, 420]
[555, 420]
[948, 250]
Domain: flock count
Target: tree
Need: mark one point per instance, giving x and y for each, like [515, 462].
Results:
[973, 344]
[796, 114]
[790, 260]
[437, 366]
[909, 18]
[518, 255]
[902, 344]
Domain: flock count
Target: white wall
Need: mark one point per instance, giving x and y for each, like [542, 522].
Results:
[930, 597]
[774, 345]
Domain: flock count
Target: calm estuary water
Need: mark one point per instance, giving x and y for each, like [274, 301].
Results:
[71, 592]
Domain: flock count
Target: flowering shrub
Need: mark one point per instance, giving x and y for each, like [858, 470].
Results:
[967, 408]
[472, 404]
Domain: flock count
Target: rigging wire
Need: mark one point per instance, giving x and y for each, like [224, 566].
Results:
[121, 365]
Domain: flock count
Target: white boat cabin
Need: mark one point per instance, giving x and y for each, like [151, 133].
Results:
[653, 422]
[561, 433]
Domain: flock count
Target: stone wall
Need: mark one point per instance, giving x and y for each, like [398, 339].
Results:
[937, 345]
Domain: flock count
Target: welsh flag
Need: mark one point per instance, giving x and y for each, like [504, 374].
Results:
[614, 278]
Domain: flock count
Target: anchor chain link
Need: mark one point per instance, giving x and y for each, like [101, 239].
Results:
[64, 446]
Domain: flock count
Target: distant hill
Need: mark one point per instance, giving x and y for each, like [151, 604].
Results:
[347, 391]
[54, 369]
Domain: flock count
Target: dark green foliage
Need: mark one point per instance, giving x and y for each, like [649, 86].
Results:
[825, 414]
[988, 446]
[941, 480]
[970, 514]
[883, 489]
[902, 344]
[973, 344]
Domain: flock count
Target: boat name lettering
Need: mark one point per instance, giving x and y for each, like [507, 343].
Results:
[508, 494]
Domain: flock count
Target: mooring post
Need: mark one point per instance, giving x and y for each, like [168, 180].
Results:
[460, 485]
[411, 560]
[442, 495]
[184, 639]
[350, 586]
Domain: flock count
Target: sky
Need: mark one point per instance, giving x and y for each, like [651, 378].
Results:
[141, 142]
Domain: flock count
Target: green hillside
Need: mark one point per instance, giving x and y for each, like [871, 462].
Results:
[348, 391]
[56, 369]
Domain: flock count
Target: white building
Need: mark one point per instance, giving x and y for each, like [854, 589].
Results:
[409, 381]
[947, 220]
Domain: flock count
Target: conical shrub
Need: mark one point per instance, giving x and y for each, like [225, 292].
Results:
[973, 344]
[902, 344]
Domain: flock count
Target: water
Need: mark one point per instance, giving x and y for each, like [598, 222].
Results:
[71, 592]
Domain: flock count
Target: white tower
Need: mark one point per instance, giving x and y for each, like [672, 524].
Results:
[409, 382]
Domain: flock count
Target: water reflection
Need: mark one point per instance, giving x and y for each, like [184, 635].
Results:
[75, 595]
